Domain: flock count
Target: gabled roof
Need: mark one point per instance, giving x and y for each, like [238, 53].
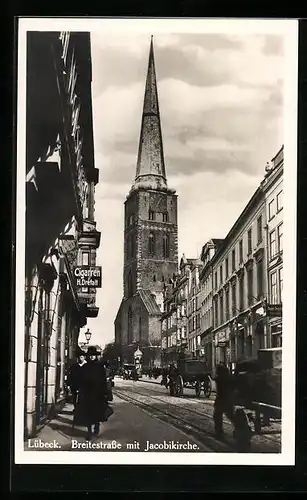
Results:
[149, 302]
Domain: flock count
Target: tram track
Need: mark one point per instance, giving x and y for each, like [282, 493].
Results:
[193, 430]
[208, 402]
[203, 414]
[205, 431]
[176, 415]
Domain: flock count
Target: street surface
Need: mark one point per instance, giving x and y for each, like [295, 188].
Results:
[146, 418]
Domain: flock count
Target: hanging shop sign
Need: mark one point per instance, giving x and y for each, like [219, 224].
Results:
[88, 276]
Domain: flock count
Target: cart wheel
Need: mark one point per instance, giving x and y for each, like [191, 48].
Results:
[242, 431]
[179, 386]
[207, 388]
[197, 388]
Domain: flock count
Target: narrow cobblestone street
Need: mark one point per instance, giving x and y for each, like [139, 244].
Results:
[146, 418]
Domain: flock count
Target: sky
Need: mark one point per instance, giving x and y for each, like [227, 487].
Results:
[221, 107]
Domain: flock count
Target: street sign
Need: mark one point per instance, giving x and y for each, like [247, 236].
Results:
[88, 276]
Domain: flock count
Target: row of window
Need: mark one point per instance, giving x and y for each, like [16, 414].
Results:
[225, 266]
[152, 250]
[158, 216]
[155, 216]
[276, 205]
[152, 246]
[222, 306]
[194, 323]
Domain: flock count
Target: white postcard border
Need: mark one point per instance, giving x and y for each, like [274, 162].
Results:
[288, 28]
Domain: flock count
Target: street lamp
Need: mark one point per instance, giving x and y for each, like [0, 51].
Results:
[88, 335]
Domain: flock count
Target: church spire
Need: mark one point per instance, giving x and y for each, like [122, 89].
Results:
[150, 169]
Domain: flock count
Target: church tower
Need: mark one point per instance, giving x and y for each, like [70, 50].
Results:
[150, 233]
[151, 207]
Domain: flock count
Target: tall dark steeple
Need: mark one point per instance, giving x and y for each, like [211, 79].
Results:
[150, 169]
[150, 237]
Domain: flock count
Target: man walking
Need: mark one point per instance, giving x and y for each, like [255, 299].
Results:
[224, 403]
[93, 405]
[75, 375]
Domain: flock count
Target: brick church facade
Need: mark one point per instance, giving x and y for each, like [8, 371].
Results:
[150, 239]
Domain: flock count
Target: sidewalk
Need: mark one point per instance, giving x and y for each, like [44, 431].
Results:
[58, 429]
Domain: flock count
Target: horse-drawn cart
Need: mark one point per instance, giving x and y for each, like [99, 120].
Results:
[190, 373]
[257, 395]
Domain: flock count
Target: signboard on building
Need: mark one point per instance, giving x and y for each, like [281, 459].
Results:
[274, 310]
[88, 276]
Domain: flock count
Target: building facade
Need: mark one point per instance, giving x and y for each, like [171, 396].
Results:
[206, 301]
[273, 192]
[194, 309]
[174, 318]
[60, 227]
[244, 271]
[150, 238]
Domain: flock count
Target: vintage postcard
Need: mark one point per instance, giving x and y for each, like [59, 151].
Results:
[156, 180]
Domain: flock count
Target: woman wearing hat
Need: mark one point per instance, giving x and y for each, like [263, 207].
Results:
[92, 406]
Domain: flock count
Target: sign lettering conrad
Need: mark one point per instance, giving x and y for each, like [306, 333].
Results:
[88, 276]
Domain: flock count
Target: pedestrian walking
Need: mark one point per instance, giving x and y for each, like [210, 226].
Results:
[74, 376]
[92, 407]
[224, 400]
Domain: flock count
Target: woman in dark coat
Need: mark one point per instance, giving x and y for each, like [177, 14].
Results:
[93, 391]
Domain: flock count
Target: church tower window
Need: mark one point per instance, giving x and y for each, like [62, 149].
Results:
[151, 215]
[129, 326]
[152, 244]
[130, 284]
[166, 246]
[165, 217]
